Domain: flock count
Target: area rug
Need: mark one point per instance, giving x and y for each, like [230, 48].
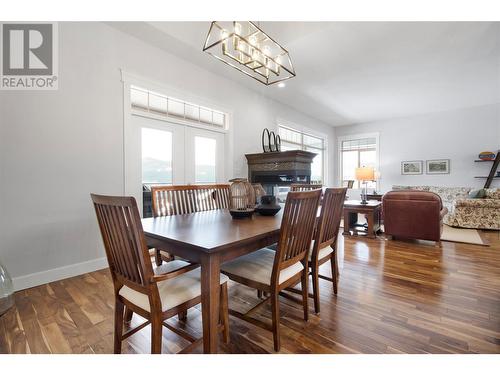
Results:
[451, 234]
[462, 235]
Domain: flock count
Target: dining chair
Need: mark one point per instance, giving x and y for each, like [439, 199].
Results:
[273, 271]
[186, 199]
[155, 294]
[324, 246]
[305, 187]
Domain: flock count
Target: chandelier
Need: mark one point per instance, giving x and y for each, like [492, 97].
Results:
[244, 46]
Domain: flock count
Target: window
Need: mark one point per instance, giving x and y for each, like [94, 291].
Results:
[292, 139]
[143, 100]
[205, 156]
[355, 153]
[156, 156]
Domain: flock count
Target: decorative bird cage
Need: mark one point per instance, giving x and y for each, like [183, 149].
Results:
[241, 197]
[259, 192]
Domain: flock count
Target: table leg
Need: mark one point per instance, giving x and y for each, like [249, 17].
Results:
[347, 224]
[370, 231]
[210, 288]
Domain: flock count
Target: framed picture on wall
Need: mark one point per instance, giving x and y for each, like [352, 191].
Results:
[440, 166]
[412, 167]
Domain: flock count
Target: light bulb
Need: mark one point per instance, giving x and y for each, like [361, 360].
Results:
[237, 28]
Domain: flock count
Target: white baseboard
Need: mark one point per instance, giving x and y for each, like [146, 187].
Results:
[44, 277]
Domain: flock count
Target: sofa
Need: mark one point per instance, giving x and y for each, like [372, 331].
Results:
[413, 214]
[464, 211]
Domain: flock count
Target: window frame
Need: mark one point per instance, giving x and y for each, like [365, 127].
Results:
[310, 133]
[353, 137]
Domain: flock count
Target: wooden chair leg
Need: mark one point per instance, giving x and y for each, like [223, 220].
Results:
[224, 312]
[276, 320]
[315, 282]
[182, 316]
[128, 314]
[259, 293]
[156, 333]
[158, 258]
[305, 293]
[119, 307]
[335, 271]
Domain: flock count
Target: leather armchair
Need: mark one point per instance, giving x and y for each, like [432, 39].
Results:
[413, 214]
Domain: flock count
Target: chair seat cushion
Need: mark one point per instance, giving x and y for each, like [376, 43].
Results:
[173, 292]
[327, 250]
[258, 266]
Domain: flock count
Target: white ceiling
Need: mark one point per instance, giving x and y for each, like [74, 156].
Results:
[352, 72]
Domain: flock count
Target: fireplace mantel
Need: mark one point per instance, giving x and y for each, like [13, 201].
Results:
[280, 168]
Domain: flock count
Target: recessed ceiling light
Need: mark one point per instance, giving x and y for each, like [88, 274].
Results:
[281, 85]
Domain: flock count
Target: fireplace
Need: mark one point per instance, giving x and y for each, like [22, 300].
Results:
[280, 169]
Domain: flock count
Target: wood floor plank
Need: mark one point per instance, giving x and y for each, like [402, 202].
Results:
[394, 297]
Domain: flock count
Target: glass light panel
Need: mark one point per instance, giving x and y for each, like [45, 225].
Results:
[349, 164]
[205, 116]
[313, 141]
[192, 112]
[175, 108]
[205, 159]
[157, 103]
[156, 156]
[219, 119]
[317, 165]
[139, 98]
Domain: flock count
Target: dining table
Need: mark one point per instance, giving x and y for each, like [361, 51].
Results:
[211, 238]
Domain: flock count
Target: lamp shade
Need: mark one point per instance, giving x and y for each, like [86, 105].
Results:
[365, 174]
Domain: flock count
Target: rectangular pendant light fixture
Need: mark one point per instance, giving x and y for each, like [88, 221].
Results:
[245, 47]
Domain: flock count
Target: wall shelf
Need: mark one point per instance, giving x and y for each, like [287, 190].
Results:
[493, 171]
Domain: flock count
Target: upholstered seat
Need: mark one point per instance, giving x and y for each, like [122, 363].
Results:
[323, 252]
[173, 292]
[258, 266]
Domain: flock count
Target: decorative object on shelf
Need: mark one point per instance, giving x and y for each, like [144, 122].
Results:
[241, 198]
[259, 192]
[268, 206]
[412, 167]
[440, 166]
[364, 174]
[6, 291]
[487, 155]
[273, 143]
[245, 47]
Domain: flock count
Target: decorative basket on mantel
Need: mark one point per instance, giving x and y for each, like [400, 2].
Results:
[241, 198]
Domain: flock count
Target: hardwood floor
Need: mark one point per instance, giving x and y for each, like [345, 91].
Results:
[394, 297]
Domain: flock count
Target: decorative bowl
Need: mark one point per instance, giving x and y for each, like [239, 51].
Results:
[268, 206]
[267, 210]
[242, 214]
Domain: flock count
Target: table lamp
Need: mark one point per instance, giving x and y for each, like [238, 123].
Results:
[365, 174]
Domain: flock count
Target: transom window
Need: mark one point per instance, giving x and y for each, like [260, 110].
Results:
[161, 105]
[355, 153]
[292, 139]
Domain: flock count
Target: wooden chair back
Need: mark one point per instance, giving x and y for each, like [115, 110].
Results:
[186, 199]
[349, 184]
[297, 227]
[305, 187]
[124, 242]
[327, 228]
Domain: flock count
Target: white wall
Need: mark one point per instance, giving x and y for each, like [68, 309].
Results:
[456, 135]
[57, 147]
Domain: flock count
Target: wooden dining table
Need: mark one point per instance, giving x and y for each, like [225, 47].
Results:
[211, 238]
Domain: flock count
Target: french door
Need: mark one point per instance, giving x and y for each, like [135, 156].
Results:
[159, 152]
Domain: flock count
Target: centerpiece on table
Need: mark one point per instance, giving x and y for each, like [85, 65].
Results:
[241, 198]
